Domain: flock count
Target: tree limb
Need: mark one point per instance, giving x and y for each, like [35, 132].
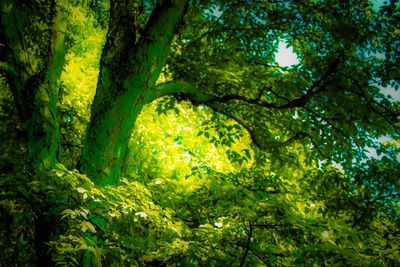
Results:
[197, 97]
[247, 248]
[179, 87]
[317, 87]
[388, 115]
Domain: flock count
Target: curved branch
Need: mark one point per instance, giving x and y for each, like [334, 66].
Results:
[197, 97]
[242, 122]
[317, 87]
[178, 87]
[174, 87]
[261, 145]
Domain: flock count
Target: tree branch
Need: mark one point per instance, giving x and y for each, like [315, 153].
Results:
[197, 97]
[247, 248]
[179, 87]
[317, 87]
[387, 115]
[317, 148]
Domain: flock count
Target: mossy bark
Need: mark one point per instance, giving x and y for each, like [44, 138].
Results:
[35, 92]
[130, 66]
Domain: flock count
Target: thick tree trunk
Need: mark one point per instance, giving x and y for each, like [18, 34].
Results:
[35, 94]
[128, 72]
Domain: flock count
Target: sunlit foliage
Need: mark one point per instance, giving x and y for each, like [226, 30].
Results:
[232, 159]
[78, 83]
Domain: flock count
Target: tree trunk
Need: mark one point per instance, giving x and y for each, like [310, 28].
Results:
[130, 66]
[35, 93]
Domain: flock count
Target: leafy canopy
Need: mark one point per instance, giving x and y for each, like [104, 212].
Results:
[236, 160]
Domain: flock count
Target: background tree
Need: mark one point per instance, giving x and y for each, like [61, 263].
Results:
[272, 194]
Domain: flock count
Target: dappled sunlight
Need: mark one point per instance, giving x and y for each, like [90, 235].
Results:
[270, 138]
[78, 83]
[171, 142]
[79, 78]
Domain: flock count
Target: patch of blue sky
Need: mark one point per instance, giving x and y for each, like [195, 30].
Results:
[285, 56]
[390, 93]
[214, 12]
[373, 152]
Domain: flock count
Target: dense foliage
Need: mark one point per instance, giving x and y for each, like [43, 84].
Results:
[158, 133]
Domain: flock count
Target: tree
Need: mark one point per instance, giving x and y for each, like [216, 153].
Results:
[219, 55]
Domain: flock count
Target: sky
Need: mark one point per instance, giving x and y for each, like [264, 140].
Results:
[285, 56]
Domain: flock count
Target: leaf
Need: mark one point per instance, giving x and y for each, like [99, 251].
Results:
[66, 213]
[61, 167]
[87, 226]
[84, 213]
[247, 152]
[81, 190]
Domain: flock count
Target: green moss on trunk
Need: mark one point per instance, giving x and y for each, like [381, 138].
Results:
[128, 73]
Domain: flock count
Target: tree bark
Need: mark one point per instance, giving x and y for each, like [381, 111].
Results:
[35, 93]
[129, 68]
